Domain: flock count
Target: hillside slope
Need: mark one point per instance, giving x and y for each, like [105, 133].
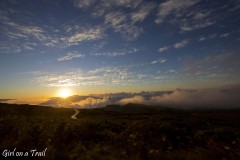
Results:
[129, 132]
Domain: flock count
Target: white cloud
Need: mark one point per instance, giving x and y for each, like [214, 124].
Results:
[27, 47]
[181, 44]
[9, 48]
[119, 22]
[187, 14]
[171, 71]
[78, 102]
[162, 49]
[29, 34]
[197, 98]
[97, 77]
[161, 60]
[91, 34]
[140, 76]
[90, 102]
[224, 35]
[14, 35]
[111, 54]
[31, 31]
[135, 99]
[23, 31]
[223, 97]
[70, 56]
[201, 15]
[115, 19]
[177, 45]
[130, 32]
[202, 39]
[121, 3]
[83, 3]
[194, 25]
[117, 53]
[142, 13]
[172, 6]
[160, 78]
[189, 99]
[72, 78]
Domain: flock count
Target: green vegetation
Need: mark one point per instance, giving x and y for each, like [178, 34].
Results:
[121, 132]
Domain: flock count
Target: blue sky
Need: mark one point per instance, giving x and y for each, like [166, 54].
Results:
[102, 46]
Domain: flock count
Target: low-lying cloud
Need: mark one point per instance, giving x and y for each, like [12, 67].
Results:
[198, 99]
[185, 99]
[5, 100]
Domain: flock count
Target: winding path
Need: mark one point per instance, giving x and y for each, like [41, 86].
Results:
[74, 116]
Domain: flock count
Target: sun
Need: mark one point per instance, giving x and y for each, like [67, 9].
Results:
[64, 93]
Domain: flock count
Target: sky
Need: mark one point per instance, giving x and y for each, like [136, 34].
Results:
[110, 46]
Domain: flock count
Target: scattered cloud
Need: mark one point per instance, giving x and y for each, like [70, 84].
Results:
[161, 60]
[181, 44]
[224, 35]
[35, 31]
[91, 34]
[172, 6]
[160, 77]
[115, 19]
[191, 25]
[28, 34]
[97, 77]
[83, 3]
[187, 14]
[171, 71]
[45, 35]
[130, 32]
[162, 49]
[28, 46]
[111, 54]
[177, 45]
[23, 31]
[9, 48]
[117, 53]
[121, 3]
[203, 38]
[140, 76]
[143, 11]
[201, 15]
[70, 56]
[119, 22]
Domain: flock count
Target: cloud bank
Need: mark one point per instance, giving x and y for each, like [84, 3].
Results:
[184, 99]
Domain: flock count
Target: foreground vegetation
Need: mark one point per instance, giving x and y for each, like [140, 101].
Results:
[121, 132]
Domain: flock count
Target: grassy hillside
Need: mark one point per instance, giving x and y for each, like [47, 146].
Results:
[121, 132]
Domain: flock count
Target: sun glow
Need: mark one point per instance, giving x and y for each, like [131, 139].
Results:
[64, 93]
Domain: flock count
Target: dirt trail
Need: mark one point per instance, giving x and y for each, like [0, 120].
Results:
[74, 116]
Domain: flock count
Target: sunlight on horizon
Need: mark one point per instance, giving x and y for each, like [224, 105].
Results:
[64, 93]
